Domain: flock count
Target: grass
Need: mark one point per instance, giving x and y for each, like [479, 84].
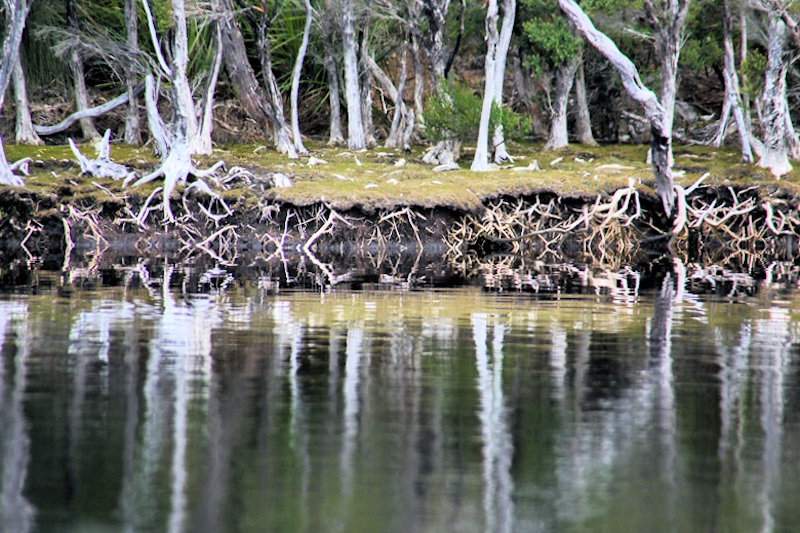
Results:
[386, 179]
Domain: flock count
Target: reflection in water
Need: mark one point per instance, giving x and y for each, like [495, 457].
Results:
[497, 445]
[243, 410]
[16, 512]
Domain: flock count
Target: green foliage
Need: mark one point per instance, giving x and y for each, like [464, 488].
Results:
[551, 40]
[753, 70]
[455, 112]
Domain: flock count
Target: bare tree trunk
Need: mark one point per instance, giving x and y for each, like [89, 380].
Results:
[336, 136]
[565, 77]
[16, 14]
[298, 67]
[355, 125]
[774, 156]
[481, 160]
[132, 121]
[76, 66]
[419, 77]
[733, 100]
[205, 144]
[402, 114]
[282, 141]
[501, 154]
[365, 83]
[25, 134]
[583, 120]
[660, 143]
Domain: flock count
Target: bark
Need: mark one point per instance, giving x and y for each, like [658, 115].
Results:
[660, 136]
[773, 101]
[449, 64]
[78, 78]
[435, 12]
[16, 14]
[583, 121]
[336, 137]
[298, 67]
[365, 85]
[282, 141]
[481, 160]
[509, 15]
[565, 77]
[419, 76]
[355, 126]
[205, 144]
[184, 115]
[25, 134]
[132, 120]
[733, 101]
[402, 114]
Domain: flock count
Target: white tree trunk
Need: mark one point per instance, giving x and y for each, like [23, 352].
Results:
[355, 125]
[501, 154]
[775, 156]
[481, 160]
[25, 134]
[205, 145]
[336, 136]
[16, 14]
[298, 67]
[660, 137]
[733, 100]
[565, 77]
[583, 120]
[419, 77]
[132, 121]
[182, 101]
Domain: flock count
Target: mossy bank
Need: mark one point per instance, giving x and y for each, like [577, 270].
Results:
[598, 201]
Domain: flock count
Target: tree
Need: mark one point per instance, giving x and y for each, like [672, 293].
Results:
[555, 47]
[733, 100]
[481, 160]
[352, 87]
[78, 76]
[660, 132]
[298, 66]
[16, 12]
[25, 134]
[180, 140]
[132, 121]
[774, 113]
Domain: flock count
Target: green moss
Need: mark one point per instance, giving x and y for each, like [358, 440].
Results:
[387, 179]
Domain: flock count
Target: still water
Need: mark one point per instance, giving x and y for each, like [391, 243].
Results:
[629, 405]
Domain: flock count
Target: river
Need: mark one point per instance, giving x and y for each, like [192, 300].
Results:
[149, 399]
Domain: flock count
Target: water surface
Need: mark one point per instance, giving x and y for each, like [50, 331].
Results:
[626, 404]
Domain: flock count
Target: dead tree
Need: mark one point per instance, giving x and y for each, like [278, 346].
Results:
[733, 100]
[16, 14]
[258, 105]
[660, 133]
[132, 119]
[179, 140]
[352, 87]
[25, 134]
[78, 76]
[773, 99]
[298, 67]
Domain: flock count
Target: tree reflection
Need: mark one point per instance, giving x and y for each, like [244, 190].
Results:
[498, 448]
[16, 512]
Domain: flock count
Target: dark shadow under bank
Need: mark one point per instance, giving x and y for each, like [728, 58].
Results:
[536, 243]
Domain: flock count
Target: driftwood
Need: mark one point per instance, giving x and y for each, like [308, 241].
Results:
[102, 167]
[92, 112]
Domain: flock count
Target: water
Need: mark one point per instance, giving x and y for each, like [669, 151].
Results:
[659, 404]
